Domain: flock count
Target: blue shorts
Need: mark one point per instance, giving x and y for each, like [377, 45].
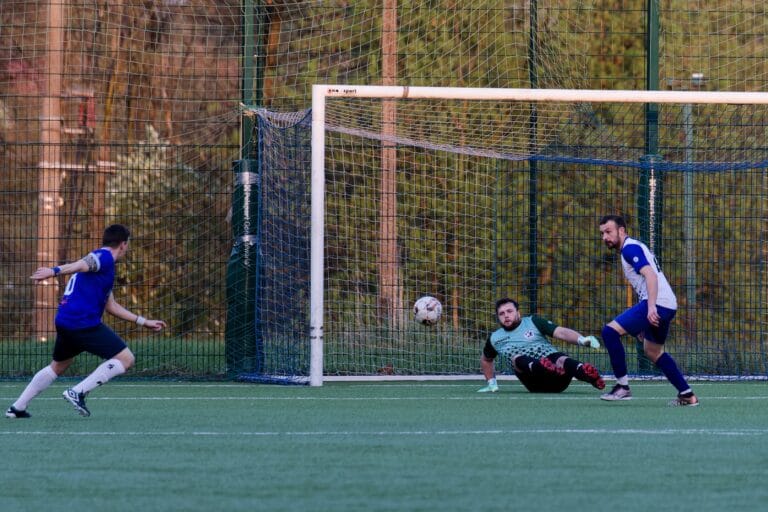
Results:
[635, 322]
[100, 340]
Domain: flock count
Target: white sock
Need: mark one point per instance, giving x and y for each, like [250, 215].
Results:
[624, 381]
[37, 385]
[101, 375]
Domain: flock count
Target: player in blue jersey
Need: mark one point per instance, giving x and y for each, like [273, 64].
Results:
[649, 319]
[540, 366]
[79, 327]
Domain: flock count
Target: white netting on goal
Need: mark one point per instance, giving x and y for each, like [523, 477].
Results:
[470, 200]
[687, 135]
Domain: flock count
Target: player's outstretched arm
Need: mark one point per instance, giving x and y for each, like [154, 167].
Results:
[571, 336]
[115, 309]
[43, 273]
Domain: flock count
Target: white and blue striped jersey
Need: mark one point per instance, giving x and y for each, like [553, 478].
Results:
[634, 256]
[86, 294]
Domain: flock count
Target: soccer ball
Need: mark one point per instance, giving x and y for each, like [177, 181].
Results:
[427, 310]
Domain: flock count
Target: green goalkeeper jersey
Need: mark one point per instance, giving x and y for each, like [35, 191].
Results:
[528, 338]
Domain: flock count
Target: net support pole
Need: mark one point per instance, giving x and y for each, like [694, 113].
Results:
[653, 177]
[242, 340]
[689, 215]
[246, 122]
[49, 176]
[649, 214]
[317, 238]
[533, 178]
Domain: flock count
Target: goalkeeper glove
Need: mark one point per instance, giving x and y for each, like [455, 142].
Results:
[492, 387]
[588, 341]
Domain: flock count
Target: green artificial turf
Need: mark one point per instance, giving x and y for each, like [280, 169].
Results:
[385, 447]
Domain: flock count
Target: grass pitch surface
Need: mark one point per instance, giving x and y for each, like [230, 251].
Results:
[385, 447]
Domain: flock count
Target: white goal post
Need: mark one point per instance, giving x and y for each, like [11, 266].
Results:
[321, 94]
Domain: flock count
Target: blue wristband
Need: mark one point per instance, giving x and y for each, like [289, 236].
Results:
[56, 270]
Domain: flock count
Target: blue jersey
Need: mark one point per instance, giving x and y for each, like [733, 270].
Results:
[86, 294]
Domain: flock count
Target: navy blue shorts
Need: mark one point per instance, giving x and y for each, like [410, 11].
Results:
[100, 340]
[635, 322]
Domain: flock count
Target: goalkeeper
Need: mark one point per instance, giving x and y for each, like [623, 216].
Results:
[537, 363]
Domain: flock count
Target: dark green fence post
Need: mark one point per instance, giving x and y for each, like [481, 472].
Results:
[533, 122]
[649, 214]
[649, 184]
[241, 336]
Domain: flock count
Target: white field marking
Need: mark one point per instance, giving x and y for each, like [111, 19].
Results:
[20, 383]
[497, 396]
[403, 433]
[575, 384]
[403, 385]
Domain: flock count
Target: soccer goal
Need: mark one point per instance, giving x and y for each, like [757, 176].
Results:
[469, 195]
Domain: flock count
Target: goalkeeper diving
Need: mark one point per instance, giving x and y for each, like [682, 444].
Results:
[538, 364]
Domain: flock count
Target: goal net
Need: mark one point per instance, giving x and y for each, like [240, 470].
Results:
[470, 195]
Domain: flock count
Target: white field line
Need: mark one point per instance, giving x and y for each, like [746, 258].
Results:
[400, 433]
[19, 384]
[498, 396]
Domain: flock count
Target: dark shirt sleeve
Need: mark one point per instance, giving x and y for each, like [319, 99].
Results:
[547, 327]
[488, 351]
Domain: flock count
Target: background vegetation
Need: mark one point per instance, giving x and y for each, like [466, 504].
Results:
[156, 142]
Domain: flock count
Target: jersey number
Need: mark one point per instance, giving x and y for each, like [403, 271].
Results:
[70, 285]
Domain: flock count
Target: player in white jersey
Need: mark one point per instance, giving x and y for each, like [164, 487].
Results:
[79, 327]
[649, 319]
[540, 366]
